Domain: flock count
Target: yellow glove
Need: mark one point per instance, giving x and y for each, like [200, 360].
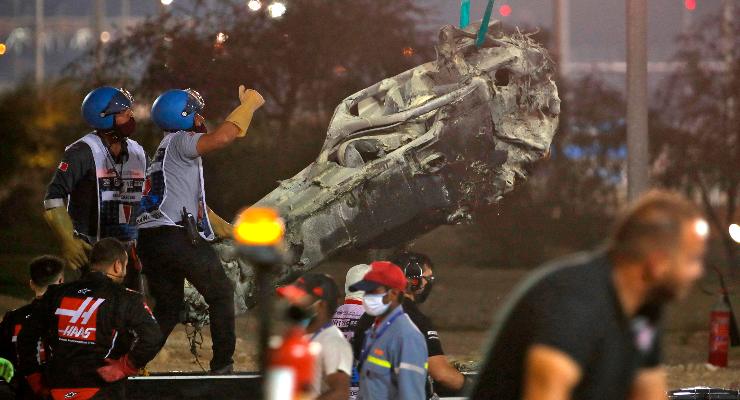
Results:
[221, 228]
[250, 100]
[74, 250]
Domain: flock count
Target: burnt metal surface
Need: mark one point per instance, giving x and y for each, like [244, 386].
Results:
[422, 149]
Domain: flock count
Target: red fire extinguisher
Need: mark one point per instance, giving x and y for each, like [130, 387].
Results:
[719, 333]
[291, 366]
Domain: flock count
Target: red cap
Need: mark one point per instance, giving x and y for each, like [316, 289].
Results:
[382, 273]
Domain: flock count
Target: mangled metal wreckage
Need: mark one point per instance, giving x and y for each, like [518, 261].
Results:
[421, 149]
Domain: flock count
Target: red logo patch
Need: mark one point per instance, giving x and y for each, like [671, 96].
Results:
[147, 186]
[63, 166]
[78, 318]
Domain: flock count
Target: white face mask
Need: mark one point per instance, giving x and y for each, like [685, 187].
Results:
[373, 304]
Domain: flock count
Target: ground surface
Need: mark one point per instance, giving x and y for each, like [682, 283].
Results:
[462, 304]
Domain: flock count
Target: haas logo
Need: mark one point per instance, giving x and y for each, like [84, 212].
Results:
[78, 318]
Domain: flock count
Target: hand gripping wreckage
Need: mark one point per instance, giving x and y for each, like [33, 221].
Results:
[421, 149]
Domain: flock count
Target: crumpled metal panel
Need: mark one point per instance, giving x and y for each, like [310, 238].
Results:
[424, 148]
[421, 149]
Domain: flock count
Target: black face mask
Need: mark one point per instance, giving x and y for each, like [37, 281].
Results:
[127, 129]
[422, 297]
[202, 128]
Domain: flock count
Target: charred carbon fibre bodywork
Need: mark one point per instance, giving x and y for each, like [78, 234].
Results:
[421, 149]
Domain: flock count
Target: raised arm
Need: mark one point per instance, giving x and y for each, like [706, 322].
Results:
[235, 125]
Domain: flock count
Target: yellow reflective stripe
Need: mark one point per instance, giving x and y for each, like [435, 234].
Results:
[379, 361]
[426, 365]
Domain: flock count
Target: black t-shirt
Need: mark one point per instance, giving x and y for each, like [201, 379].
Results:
[434, 346]
[573, 307]
[75, 179]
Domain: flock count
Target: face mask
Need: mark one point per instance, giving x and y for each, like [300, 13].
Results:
[373, 304]
[422, 297]
[202, 128]
[127, 129]
[310, 313]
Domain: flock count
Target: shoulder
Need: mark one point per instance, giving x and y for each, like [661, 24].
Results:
[134, 146]
[78, 149]
[333, 338]
[416, 315]
[130, 295]
[581, 273]
[409, 330]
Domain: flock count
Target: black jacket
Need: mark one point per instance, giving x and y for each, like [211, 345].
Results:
[81, 323]
[10, 326]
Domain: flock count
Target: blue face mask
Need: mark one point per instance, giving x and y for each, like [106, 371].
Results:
[310, 315]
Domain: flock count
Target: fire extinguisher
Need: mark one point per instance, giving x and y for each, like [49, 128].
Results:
[290, 366]
[719, 332]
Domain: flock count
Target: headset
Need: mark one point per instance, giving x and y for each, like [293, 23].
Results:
[413, 267]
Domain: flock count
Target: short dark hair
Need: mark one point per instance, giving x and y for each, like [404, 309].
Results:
[107, 251]
[45, 270]
[654, 221]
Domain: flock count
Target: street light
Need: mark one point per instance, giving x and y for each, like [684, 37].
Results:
[276, 9]
[166, 2]
[257, 226]
[254, 5]
[3, 48]
[505, 10]
[735, 232]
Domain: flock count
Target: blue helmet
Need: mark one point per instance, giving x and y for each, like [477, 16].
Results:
[101, 104]
[174, 110]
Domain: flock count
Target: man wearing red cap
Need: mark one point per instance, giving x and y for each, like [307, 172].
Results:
[392, 363]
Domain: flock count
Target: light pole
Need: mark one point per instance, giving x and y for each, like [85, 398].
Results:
[561, 28]
[637, 112]
[39, 37]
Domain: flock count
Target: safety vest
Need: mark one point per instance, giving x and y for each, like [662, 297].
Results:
[119, 190]
[159, 207]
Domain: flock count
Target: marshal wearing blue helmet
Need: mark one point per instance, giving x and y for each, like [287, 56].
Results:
[101, 178]
[176, 223]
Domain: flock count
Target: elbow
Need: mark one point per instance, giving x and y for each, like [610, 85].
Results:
[451, 380]
[225, 138]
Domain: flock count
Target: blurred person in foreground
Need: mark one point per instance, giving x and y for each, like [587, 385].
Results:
[82, 323]
[318, 295]
[587, 327]
[348, 315]
[45, 271]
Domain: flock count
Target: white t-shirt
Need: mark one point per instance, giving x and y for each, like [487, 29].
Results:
[335, 355]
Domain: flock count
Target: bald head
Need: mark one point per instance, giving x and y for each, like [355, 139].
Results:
[655, 221]
[662, 237]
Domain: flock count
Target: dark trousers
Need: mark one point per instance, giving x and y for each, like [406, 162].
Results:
[168, 257]
[133, 273]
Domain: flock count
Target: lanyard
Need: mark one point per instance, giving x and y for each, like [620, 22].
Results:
[376, 336]
[119, 175]
[326, 325]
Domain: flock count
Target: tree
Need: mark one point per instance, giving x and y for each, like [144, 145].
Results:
[39, 122]
[697, 134]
